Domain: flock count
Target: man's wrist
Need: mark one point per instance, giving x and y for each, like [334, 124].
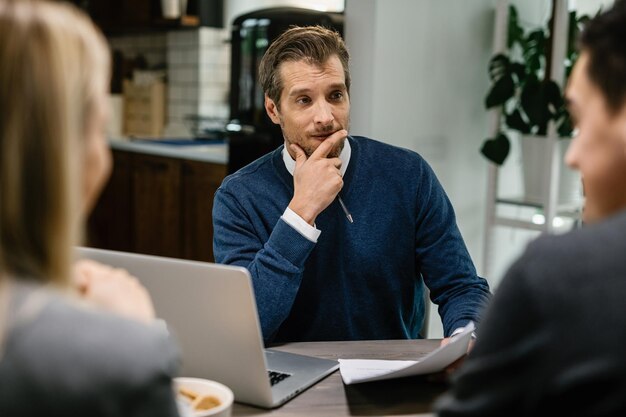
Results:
[304, 212]
[300, 225]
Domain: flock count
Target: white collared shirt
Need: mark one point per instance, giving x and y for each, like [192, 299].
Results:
[289, 216]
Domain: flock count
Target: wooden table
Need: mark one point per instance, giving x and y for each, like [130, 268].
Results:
[331, 398]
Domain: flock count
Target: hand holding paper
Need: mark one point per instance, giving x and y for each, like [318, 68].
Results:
[364, 370]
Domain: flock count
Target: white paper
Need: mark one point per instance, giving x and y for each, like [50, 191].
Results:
[354, 371]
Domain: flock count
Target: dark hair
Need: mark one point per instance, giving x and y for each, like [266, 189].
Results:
[604, 39]
[315, 44]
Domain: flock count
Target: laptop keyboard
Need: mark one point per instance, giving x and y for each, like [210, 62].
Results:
[275, 377]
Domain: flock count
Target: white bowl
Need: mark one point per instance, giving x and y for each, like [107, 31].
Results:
[207, 387]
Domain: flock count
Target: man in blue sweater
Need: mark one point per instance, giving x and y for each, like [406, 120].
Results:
[339, 232]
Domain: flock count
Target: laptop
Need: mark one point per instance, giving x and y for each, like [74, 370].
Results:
[211, 310]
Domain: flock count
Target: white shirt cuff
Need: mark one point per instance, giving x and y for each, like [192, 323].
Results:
[459, 330]
[301, 226]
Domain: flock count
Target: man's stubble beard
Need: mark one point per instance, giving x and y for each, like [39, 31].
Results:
[308, 151]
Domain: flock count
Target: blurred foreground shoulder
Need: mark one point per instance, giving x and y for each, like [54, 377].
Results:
[69, 359]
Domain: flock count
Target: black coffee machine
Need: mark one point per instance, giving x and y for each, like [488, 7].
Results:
[251, 133]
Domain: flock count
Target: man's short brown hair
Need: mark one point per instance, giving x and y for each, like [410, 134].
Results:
[314, 44]
[604, 38]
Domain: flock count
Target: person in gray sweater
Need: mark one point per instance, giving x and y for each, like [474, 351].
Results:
[552, 341]
[76, 339]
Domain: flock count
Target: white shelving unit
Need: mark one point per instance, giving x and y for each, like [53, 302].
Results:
[552, 157]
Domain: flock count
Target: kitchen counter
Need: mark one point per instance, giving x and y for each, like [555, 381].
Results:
[214, 153]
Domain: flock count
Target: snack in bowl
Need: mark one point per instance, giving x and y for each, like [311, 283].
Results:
[199, 397]
[199, 402]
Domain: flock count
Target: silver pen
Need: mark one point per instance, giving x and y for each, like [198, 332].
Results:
[345, 209]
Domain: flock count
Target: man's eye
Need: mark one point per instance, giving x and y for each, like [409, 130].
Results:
[303, 100]
[337, 95]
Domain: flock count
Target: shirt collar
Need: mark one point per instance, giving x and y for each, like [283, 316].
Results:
[344, 156]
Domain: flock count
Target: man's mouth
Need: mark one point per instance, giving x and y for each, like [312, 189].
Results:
[322, 136]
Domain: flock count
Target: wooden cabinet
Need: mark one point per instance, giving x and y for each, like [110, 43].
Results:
[110, 225]
[199, 183]
[156, 210]
[157, 205]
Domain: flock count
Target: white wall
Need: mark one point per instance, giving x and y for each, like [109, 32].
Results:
[419, 73]
[419, 84]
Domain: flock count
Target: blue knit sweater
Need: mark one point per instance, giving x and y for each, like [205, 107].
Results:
[361, 280]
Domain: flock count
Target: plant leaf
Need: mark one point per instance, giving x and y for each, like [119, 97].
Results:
[573, 31]
[501, 91]
[496, 149]
[499, 66]
[515, 32]
[553, 96]
[534, 50]
[515, 121]
[565, 127]
[519, 71]
[534, 103]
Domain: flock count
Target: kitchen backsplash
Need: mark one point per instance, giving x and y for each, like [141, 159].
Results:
[198, 70]
[198, 63]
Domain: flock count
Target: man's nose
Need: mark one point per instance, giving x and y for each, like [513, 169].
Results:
[323, 114]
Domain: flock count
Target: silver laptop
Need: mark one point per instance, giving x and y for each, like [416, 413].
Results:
[211, 310]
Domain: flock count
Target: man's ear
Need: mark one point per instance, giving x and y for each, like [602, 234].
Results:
[272, 110]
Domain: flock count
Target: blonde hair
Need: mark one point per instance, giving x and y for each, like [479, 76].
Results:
[54, 63]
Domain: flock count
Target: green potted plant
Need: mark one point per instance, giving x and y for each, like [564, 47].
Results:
[521, 86]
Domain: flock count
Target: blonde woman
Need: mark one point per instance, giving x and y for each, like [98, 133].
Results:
[74, 341]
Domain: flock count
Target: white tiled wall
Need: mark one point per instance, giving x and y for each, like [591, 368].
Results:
[198, 63]
[198, 68]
